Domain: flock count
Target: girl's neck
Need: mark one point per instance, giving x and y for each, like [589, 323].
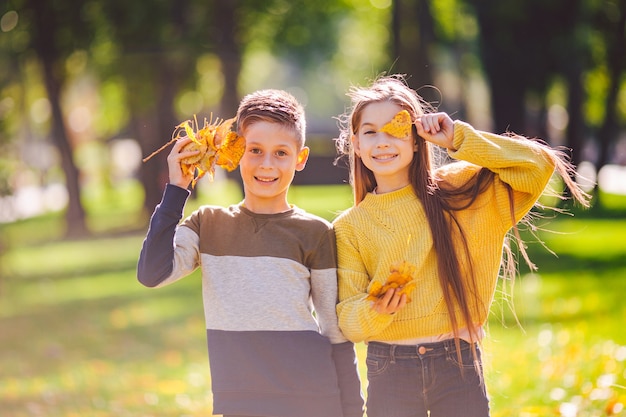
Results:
[383, 187]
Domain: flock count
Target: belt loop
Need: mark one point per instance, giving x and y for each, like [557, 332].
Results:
[392, 353]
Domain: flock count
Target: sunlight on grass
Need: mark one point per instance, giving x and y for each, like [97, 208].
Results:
[79, 336]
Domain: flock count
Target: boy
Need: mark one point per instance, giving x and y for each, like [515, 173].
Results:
[266, 267]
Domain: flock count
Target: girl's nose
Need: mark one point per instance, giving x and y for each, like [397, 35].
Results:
[382, 141]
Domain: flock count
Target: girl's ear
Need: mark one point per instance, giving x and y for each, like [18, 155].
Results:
[303, 156]
[355, 145]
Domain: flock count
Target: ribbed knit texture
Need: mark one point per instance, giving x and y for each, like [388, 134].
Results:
[392, 227]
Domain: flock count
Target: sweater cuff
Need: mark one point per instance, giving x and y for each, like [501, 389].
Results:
[460, 128]
[174, 198]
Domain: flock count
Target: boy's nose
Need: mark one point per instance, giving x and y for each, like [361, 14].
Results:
[266, 161]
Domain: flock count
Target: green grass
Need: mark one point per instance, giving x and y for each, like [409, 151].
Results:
[80, 337]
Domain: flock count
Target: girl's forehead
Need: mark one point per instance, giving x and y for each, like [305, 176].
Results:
[379, 112]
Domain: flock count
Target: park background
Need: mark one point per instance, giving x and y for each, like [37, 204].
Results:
[89, 88]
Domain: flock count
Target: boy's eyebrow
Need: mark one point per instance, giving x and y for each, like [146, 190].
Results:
[257, 143]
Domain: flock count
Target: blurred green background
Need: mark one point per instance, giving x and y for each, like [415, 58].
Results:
[88, 88]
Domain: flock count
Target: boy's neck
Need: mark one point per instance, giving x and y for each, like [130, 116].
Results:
[269, 206]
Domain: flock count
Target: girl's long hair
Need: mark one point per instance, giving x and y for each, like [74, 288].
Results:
[440, 202]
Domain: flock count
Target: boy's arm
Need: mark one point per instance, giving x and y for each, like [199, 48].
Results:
[346, 366]
[324, 297]
[324, 294]
[156, 260]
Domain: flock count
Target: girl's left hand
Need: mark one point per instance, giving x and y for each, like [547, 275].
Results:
[390, 303]
[437, 128]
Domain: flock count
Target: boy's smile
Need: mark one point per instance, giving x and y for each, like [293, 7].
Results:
[268, 166]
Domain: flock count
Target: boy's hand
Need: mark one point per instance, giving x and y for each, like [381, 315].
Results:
[173, 163]
[437, 128]
[390, 303]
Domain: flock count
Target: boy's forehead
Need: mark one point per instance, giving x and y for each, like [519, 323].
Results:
[262, 132]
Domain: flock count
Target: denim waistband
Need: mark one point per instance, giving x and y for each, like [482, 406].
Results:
[415, 351]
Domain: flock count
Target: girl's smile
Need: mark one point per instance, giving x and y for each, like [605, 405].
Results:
[386, 156]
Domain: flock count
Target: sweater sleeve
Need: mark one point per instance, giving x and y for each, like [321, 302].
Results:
[156, 259]
[522, 164]
[324, 289]
[357, 319]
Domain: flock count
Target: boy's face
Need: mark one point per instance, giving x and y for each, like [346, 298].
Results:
[268, 166]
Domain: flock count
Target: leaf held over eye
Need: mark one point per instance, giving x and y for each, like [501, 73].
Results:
[400, 126]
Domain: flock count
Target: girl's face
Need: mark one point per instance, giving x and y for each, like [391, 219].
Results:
[386, 156]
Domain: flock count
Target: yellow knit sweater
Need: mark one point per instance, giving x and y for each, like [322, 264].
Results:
[388, 228]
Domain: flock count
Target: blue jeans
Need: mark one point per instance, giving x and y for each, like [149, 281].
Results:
[424, 381]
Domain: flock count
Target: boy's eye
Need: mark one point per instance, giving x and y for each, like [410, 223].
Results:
[255, 150]
[281, 153]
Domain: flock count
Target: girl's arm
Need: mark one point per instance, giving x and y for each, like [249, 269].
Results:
[523, 164]
[358, 320]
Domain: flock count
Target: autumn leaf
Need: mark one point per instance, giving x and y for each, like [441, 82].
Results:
[400, 126]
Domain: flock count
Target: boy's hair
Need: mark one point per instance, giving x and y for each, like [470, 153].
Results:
[273, 106]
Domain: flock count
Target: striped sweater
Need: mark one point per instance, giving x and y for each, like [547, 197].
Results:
[392, 227]
[269, 289]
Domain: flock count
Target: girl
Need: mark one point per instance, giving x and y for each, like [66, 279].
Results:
[440, 234]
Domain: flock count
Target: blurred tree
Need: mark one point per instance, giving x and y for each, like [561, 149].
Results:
[413, 43]
[159, 46]
[527, 44]
[225, 35]
[515, 46]
[611, 20]
[57, 29]
[302, 31]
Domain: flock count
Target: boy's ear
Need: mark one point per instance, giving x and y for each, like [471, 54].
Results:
[303, 156]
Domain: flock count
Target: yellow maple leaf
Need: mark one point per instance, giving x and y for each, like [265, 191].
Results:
[400, 126]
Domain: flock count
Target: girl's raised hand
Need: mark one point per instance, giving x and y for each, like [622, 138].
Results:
[437, 128]
[177, 177]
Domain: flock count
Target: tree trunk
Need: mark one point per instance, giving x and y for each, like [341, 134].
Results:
[43, 43]
[152, 119]
[616, 50]
[413, 37]
[229, 52]
[576, 127]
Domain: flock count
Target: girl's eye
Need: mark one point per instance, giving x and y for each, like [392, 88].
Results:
[369, 132]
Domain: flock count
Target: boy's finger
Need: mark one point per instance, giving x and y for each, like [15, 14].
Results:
[182, 141]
